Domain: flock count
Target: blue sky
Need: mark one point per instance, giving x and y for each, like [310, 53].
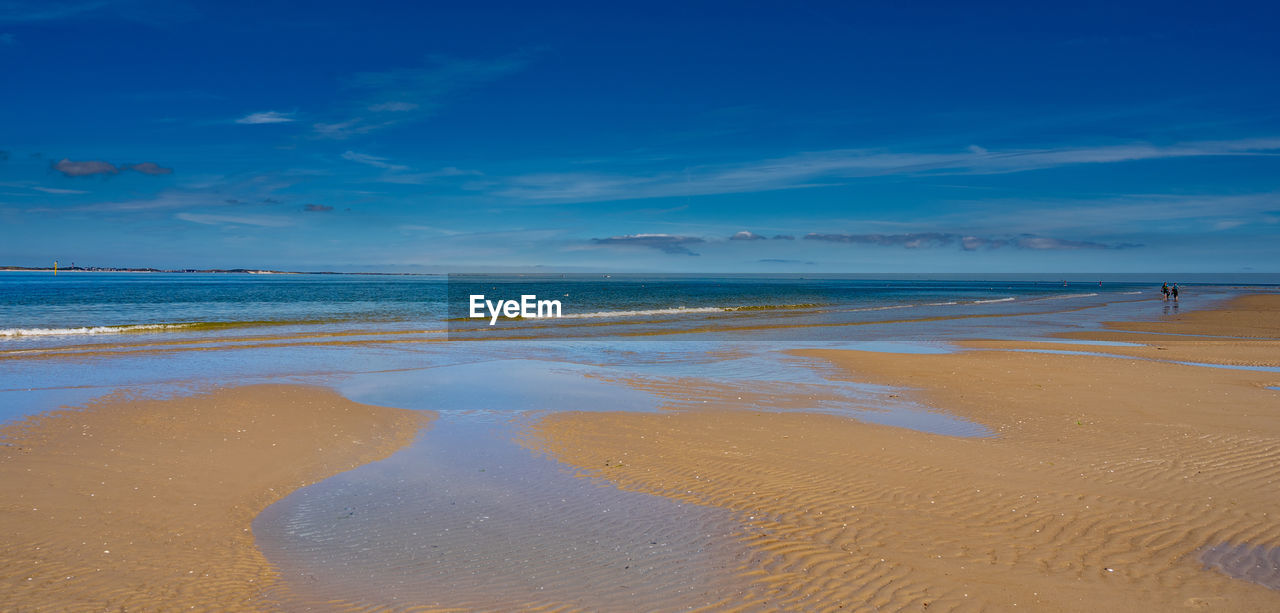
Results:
[736, 137]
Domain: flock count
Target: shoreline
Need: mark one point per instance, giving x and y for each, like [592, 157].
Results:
[1106, 484]
[140, 503]
[311, 338]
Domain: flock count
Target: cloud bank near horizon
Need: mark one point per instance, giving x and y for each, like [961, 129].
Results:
[675, 244]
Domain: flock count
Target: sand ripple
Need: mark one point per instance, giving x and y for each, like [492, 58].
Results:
[1105, 482]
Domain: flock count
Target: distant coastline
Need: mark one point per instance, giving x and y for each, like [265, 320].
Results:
[242, 271]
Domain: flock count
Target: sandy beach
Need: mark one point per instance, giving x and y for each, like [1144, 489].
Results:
[1120, 481]
[1111, 477]
[146, 504]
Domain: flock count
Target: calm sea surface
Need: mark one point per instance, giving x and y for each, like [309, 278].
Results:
[38, 309]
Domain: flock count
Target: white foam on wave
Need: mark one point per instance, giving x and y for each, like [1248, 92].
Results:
[685, 311]
[645, 312]
[1064, 297]
[993, 300]
[882, 308]
[16, 332]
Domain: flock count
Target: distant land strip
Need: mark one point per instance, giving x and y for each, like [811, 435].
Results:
[251, 271]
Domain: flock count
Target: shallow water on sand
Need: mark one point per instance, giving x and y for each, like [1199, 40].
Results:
[1255, 563]
[1256, 368]
[467, 517]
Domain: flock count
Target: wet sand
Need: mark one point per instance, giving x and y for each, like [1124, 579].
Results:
[1111, 483]
[147, 504]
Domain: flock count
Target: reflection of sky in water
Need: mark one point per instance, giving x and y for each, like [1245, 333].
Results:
[466, 511]
[1258, 564]
[1129, 357]
[1072, 341]
[465, 517]
[31, 386]
[496, 385]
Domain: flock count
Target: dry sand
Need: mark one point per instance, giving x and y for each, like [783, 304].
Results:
[1107, 481]
[131, 505]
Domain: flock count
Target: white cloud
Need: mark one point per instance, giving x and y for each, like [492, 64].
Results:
[266, 117]
[346, 129]
[823, 167]
[413, 94]
[1134, 213]
[55, 190]
[419, 178]
[371, 160]
[666, 243]
[266, 221]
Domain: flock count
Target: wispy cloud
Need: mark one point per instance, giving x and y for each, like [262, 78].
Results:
[343, 130]
[405, 95]
[666, 243]
[914, 240]
[266, 221]
[785, 261]
[924, 240]
[151, 13]
[30, 12]
[316, 208]
[149, 168]
[85, 168]
[1130, 213]
[420, 178]
[371, 160]
[236, 193]
[165, 200]
[394, 107]
[824, 167]
[747, 235]
[55, 190]
[422, 228]
[98, 167]
[266, 117]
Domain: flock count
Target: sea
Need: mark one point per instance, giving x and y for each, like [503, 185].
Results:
[467, 516]
[43, 310]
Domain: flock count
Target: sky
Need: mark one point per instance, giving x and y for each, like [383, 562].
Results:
[857, 137]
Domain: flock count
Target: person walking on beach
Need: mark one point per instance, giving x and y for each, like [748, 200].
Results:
[1164, 291]
[1174, 292]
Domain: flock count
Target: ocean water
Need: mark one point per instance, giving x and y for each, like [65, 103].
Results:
[38, 309]
[467, 516]
[70, 338]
